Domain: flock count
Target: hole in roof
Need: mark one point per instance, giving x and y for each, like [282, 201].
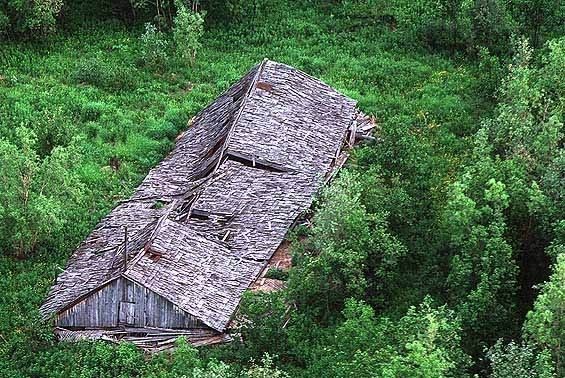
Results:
[159, 204]
[249, 162]
[206, 170]
[199, 216]
[215, 148]
[183, 210]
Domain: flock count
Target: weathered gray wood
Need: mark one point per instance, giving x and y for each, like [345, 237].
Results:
[204, 222]
[126, 314]
[124, 302]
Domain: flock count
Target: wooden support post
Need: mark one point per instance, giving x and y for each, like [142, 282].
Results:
[125, 247]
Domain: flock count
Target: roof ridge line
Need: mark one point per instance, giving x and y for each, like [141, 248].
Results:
[240, 111]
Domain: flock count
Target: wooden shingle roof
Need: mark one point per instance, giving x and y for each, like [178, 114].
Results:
[203, 223]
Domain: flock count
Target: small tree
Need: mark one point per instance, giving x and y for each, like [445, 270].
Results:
[514, 360]
[154, 46]
[29, 18]
[34, 193]
[188, 29]
[545, 324]
[267, 369]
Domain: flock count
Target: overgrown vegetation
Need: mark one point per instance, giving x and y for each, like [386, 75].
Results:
[438, 252]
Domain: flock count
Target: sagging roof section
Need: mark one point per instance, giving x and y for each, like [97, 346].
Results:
[204, 221]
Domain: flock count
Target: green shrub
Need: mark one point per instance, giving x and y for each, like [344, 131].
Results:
[266, 369]
[263, 316]
[91, 111]
[160, 130]
[277, 274]
[37, 194]
[103, 75]
[90, 71]
[188, 29]
[178, 117]
[154, 47]
[545, 323]
[244, 10]
[515, 360]
[29, 19]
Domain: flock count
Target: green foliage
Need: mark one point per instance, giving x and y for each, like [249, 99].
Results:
[277, 274]
[483, 275]
[528, 124]
[35, 193]
[539, 20]
[92, 111]
[245, 10]
[213, 369]
[261, 326]
[458, 25]
[89, 360]
[491, 24]
[153, 47]
[95, 72]
[460, 199]
[188, 29]
[491, 71]
[514, 360]
[350, 252]
[29, 19]
[266, 369]
[185, 358]
[500, 212]
[545, 324]
[423, 343]
[443, 23]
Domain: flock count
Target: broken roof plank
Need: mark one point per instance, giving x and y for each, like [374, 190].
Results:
[249, 164]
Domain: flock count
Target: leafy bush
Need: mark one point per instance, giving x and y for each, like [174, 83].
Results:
[178, 117]
[91, 111]
[545, 324]
[29, 19]
[277, 274]
[350, 252]
[89, 360]
[514, 360]
[35, 193]
[262, 318]
[245, 10]
[424, 343]
[188, 28]
[266, 369]
[154, 47]
[158, 129]
[95, 72]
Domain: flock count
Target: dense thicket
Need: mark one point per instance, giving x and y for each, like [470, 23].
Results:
[439, 250]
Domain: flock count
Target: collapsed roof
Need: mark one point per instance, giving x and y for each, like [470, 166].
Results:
[204, 222]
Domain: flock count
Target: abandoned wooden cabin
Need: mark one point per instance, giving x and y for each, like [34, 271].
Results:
[176, 257]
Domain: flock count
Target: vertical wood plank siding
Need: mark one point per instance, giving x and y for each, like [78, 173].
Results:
[140, 308]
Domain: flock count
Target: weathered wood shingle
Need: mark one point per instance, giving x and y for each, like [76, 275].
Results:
[204, 222]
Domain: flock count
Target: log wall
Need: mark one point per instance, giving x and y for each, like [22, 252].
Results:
[125, 303]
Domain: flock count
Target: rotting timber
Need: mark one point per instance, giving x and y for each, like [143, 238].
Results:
[206, 223]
